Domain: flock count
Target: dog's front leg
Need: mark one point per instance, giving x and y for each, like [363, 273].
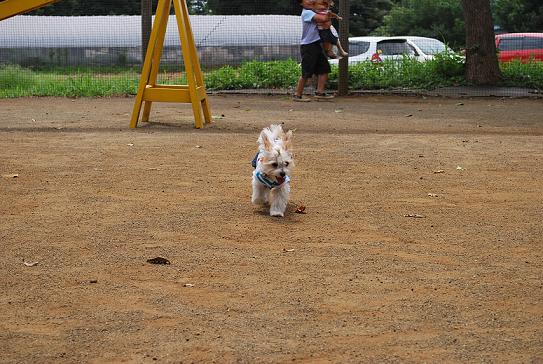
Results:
[260, 193]
[279, 200]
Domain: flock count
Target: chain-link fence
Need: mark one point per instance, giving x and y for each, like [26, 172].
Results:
[103, 40]
[98, 41]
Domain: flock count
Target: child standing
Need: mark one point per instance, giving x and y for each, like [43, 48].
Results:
[314, 61]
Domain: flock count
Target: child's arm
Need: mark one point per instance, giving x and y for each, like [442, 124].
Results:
[321, 18]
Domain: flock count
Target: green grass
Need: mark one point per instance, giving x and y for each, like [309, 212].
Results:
[16, 81]
[444, 70]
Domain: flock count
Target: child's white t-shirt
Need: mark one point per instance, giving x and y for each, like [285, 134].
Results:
[310, 33]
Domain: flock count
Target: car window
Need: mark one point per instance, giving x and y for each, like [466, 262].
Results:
[510, 44]
[532, 43]
[430, 46]
[395, 47]
[359, 47]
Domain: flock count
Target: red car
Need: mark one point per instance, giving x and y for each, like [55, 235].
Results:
[521, 46]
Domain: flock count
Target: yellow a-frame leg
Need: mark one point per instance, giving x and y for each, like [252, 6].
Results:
[149, 91]
[9, 8]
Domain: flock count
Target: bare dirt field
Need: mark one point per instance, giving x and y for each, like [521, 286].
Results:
[422, 239]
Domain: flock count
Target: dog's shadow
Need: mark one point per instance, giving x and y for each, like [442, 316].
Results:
[291, 216]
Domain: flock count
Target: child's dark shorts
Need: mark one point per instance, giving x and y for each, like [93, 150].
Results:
[327, 36]
[314, 61]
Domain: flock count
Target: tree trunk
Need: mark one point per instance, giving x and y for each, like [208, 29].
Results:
[481, 60]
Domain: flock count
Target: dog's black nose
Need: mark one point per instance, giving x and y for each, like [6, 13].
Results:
[282, 174]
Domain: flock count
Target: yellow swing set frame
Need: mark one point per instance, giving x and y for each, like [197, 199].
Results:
[149, 91]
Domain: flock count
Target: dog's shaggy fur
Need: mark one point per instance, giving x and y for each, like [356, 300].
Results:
[273, 165]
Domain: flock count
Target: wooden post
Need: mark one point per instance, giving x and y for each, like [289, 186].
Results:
[343, 75]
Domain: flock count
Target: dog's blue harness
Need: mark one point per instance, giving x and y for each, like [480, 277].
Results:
[262, 178]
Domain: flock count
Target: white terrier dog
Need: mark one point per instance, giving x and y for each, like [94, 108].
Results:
[272, 166]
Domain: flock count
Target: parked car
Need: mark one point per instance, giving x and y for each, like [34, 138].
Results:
[521, 46]
[394, 48]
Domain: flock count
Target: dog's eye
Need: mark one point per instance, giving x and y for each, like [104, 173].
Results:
[274, 164]
[286, 164]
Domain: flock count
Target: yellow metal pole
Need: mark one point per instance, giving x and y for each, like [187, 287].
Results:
[9, 8]
[163, 25]
[196, 63]
[187, 58]
[145, 73]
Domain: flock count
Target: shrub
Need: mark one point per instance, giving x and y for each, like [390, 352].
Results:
[528, 74]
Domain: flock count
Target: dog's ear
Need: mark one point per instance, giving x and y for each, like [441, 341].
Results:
[287, 140]
[266, 142]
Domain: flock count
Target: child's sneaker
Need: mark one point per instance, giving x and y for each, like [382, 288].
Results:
[300, 98]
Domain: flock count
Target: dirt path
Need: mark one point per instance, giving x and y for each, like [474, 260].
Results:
[352, 280]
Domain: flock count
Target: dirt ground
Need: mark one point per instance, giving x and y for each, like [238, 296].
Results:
[421, 242]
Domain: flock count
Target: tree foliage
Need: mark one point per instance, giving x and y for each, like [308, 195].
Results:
[435, 19]
[95, 7]
[519, 15]
[197, 7]
[110, 7]
[248, 7]
[367, 15]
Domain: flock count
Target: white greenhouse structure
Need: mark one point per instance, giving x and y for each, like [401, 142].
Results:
[116, 40]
